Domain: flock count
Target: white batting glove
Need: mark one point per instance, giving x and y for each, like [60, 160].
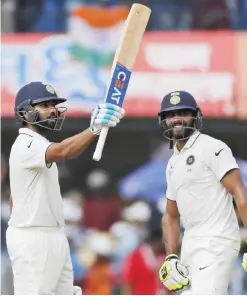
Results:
[105, 114]
[173, 274]
[244, 264]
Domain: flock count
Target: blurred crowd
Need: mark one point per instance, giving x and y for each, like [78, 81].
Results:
[52, 15]
[116, 245]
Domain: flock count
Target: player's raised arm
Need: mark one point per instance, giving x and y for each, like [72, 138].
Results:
[70, 147]
[105, 114]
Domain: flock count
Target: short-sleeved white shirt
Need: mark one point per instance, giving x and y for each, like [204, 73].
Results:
[34, 186]
[193, 181]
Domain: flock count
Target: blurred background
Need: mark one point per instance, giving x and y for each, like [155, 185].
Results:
[113, 208]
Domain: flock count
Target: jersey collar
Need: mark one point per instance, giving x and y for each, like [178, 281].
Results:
[29, 132]
[189, 143]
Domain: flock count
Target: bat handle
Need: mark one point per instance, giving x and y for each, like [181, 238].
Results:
[100, 144]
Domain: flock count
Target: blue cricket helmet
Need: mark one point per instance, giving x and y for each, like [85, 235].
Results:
[179, 100]
[36, 93]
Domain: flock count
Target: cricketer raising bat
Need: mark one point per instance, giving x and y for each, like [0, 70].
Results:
[124, 61]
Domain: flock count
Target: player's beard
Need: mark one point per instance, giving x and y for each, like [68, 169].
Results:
[178, 132]
[45, 125]
[183, 131]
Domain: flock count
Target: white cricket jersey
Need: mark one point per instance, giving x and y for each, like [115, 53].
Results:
[193, 181]
[34, 185]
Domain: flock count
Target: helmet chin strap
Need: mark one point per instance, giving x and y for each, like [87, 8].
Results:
[190, 130]
[168, 134]
[43, 125]
[41, 129]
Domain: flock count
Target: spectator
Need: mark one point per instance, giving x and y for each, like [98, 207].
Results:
[26, 14]
[51, 17]
[73, 214]
[101, 207]
[170, 15]
[99, 278]
[243, 12]
[129, 234]
[141, 268]
[211, 15]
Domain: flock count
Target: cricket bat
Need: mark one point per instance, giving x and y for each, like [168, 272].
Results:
[123, 62]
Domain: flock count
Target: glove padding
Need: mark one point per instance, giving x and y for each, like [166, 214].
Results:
[173, 274]
[105, 114]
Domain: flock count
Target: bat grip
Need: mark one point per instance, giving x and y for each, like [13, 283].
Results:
[100, 144]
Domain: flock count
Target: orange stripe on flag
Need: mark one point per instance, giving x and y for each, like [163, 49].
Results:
[100, 17]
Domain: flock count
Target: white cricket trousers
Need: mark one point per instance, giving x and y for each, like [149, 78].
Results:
[40, 259]
[210, 264]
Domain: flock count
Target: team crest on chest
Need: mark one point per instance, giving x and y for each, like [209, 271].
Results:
[190, 160]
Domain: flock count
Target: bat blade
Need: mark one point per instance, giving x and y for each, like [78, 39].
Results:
[124, 61]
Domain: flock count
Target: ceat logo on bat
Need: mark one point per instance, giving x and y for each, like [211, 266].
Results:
[118, 86]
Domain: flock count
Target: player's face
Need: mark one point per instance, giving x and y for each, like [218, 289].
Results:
[47, 113]
[178, 121]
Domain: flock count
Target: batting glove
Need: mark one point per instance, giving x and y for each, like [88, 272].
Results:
[244, 264]
[173, 274]
[105, 114]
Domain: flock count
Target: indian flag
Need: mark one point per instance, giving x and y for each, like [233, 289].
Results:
[95, 32]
